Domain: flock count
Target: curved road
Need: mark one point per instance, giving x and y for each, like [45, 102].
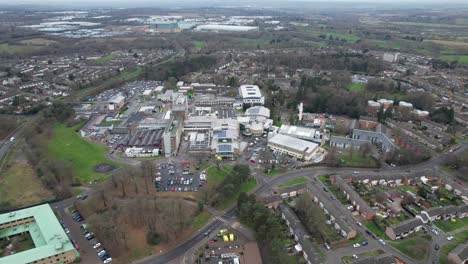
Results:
[266, 184]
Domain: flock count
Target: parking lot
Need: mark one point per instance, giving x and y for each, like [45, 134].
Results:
[73, 225]
[174, 177]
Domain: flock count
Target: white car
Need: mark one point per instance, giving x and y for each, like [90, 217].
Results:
[67, 230]
[108, 260]
[98, 244]
[382, 242]
[450, 238]
[355, 172]
[355, 256]
[356, 245]
[358, 223]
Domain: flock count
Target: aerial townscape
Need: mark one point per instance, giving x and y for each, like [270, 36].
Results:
[234, 132]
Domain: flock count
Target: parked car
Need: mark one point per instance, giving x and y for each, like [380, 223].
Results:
[358, 223]
[450, 238]
[326, 246]
[356, 245]
[436, 247]
[108, 260]
[75, 244]
[364, 243]
[97, 244]
[381, 241]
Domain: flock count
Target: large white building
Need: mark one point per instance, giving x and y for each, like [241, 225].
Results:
[305, 133]
[258, 113]
[295, 147]
[251, 94]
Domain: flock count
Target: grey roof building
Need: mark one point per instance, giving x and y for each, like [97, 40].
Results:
[377, 138]
[404, 228]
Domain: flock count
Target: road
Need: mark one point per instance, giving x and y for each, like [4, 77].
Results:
[266, 185]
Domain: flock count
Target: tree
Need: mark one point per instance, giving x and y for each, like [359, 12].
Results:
[49, 62]
[135, 55]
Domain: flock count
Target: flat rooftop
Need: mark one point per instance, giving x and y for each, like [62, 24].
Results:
[46, 232]
[292, 143]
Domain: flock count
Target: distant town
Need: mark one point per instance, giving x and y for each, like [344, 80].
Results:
[234, 134]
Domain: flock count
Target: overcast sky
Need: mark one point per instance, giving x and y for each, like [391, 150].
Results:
[182, 3]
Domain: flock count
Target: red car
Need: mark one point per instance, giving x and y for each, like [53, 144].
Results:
[173, 189]
[76, 244]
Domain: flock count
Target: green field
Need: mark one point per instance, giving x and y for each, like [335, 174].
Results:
[19, 186]
[341, 36]
[215, 175]
[432, 25]
[356, 160]
[293, 182]
[275, 172]
[416, 246]
[107, 58]
[374, 229]
[66, 144]
[199, 44]
[7, 49]
[356, 87]
[390, 44]
[448, 226]
[459, 238]
[461, 59]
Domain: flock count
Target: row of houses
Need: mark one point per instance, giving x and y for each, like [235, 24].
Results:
[410, 226]
[299, 232]
[353, 197]
[318, 197]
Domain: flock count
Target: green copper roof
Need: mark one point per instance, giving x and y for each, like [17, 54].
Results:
[47, 234]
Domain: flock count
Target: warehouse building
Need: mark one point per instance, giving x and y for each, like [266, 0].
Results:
[51, 244]
[305, 133]
[292, 146]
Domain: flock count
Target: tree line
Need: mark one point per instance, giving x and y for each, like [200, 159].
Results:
[269, 229]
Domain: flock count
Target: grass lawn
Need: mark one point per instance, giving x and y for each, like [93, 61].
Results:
[293, 182]
[461, 59]
[373, 253]
[201, 219]
[391, 44]
[374, 229]
[199, 44]
[215, 175]
[275, 172]
[448, 226]
[415, 246]
[356, 87]
[19, 185]
[459, 238]
[107, 58]
[66, 144]
[356, 160]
